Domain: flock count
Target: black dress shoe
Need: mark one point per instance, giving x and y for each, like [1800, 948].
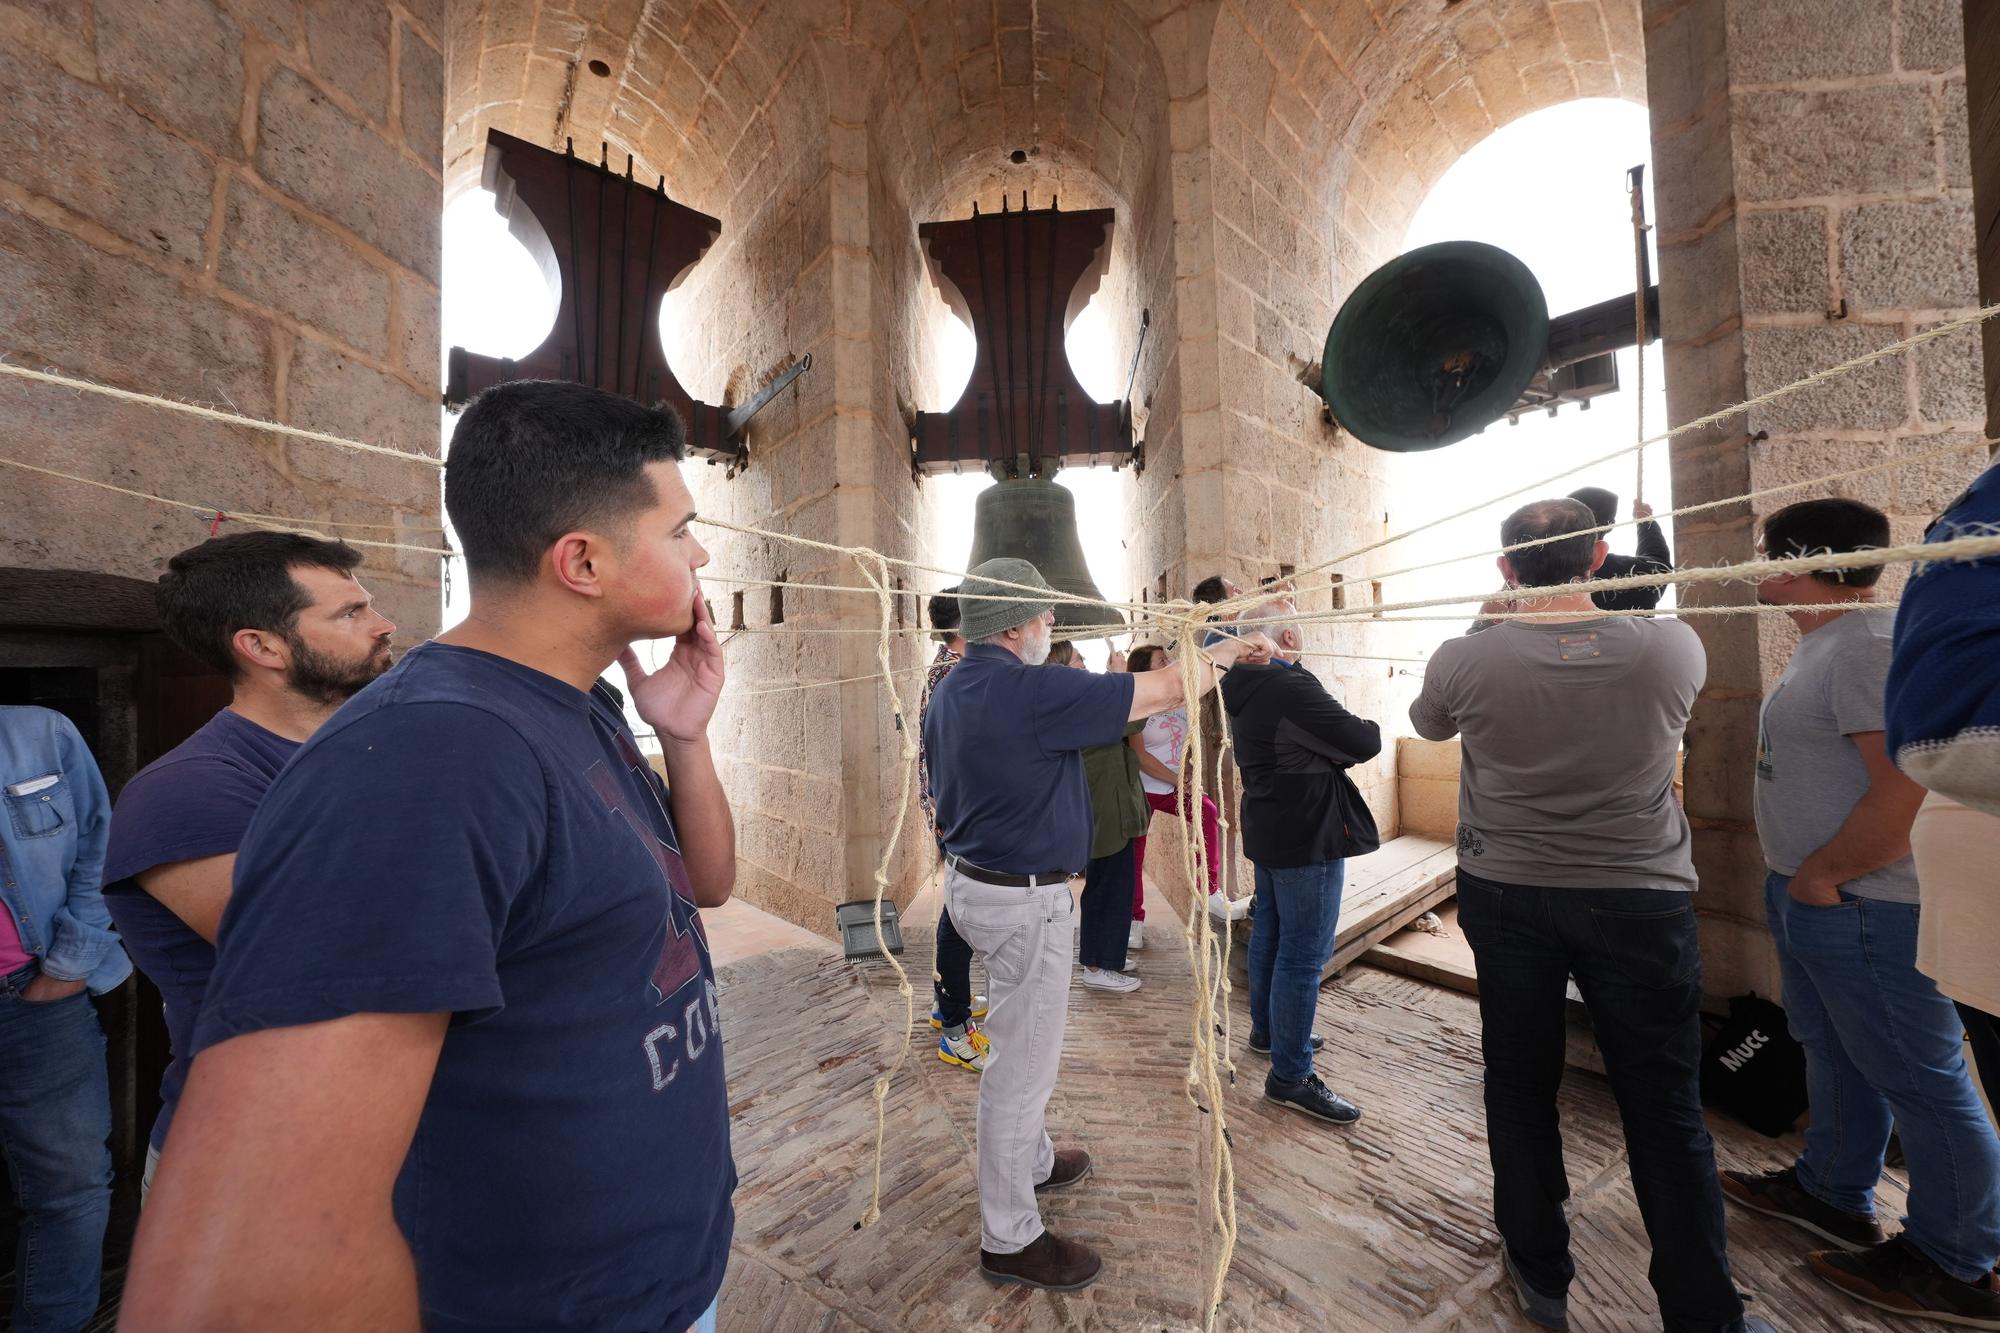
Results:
[1071, 1165]
[1311, 1097]
[1049, 1262]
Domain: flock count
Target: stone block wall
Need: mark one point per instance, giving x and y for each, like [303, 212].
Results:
[235, 203]
[1814, 196]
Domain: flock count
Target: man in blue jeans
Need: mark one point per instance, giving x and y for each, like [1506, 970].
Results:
[1302, 817]
[1883, 1046]
[1574, 859]
[56, 944]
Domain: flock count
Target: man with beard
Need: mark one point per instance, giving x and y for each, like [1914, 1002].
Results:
[459, 1065]
[283, 615]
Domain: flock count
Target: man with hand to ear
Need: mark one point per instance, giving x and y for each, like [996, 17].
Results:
[459, 1065]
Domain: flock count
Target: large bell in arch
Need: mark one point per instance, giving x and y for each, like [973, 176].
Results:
[1035, 520]
[1434, 345]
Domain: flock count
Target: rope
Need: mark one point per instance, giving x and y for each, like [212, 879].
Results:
[1957, 548]
[879, 576]
[254, 520]
[212, 414]
[1042, 596]
[1639, 285]
[1677, 613]
[1848, 366]
[1204, 1080]
[1960, 447]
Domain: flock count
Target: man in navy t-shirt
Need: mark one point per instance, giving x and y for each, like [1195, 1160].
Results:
[460, 1063]
[1005, 743]
[282, 615]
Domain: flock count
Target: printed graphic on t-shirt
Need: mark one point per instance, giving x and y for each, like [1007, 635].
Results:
[687, 944]
[1764, 770]
[1470, 842]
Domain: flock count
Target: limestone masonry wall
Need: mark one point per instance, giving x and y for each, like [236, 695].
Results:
[1814, 196]
[233, 202]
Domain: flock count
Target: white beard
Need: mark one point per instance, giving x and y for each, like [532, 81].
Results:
[1035, 644]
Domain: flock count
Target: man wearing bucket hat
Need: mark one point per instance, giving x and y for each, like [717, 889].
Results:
[1013, 812]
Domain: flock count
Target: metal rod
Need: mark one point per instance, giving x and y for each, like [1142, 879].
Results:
[740, 416]
[1635, 183]
[1132, 376]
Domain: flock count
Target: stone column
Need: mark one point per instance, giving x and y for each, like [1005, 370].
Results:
[1814, 203]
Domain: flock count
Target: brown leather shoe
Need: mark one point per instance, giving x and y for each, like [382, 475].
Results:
[1049, 1262]
[1071, 1165]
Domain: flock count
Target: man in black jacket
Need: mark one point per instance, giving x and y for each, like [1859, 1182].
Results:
[1653, 556]
[1301, 817]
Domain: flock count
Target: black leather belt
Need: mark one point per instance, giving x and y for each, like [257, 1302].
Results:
[1003, 880]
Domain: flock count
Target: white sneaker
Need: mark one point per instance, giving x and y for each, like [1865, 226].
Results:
[1221, 907]
[1099, 979]
[1135, 938]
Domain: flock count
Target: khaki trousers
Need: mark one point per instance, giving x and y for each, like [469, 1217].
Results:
[1027, 937]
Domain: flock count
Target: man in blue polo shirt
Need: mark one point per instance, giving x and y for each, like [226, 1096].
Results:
[1005, 742]
[459, 1064]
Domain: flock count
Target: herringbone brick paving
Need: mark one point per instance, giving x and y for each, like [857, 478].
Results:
[1384, 1226]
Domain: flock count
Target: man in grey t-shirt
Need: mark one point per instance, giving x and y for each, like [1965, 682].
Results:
[1573, 860]
[1883, 1047]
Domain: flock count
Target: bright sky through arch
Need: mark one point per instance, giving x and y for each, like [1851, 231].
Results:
[1550, 189]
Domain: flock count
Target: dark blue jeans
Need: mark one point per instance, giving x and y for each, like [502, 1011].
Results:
[1104, 914]
[1635, 958]
[55, 1115]
[1291, 936]
[1883, 1049]
[952, 991]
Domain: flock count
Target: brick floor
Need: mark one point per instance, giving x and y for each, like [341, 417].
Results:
[1385, 1226]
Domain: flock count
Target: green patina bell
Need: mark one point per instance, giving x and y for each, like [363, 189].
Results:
[1434, 345]
[1035, 520]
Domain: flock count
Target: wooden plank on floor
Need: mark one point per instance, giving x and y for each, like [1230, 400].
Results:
[1385, 891]
[1389, 889]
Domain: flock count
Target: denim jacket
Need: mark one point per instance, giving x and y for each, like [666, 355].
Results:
[52, 840]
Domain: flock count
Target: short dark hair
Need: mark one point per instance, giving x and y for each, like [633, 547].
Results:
[242, 581]
[944, 611]
[1211, 590]
[1552, 562]
[1815, 527]
[1141, 658]
[1062, 653]
[534, 459]
[1600, 502]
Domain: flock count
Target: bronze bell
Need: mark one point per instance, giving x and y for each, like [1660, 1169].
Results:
[1434, 345]
[1035, 520]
